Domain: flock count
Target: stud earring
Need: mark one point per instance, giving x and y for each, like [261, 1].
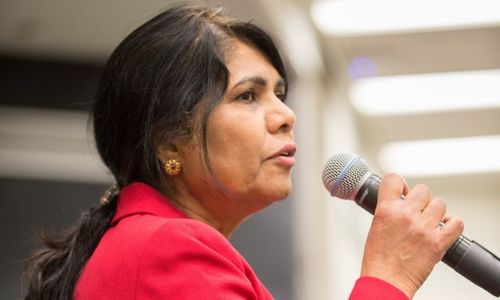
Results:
[173, 167]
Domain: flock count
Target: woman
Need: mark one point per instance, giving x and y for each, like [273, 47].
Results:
[191, 120]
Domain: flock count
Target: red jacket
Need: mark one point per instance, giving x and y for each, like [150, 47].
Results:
[154, 251]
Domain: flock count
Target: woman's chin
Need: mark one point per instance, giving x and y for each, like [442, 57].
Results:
[281, 192]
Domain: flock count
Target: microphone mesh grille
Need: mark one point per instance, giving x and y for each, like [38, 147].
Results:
[350, 181]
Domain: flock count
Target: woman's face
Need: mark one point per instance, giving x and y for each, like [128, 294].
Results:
[249, 136]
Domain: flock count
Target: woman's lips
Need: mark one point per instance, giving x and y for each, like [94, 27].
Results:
[285, 155]
[285, 161]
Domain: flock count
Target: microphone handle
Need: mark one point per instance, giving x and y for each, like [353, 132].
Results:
[465, 256]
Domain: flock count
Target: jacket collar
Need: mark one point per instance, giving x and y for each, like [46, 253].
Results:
[140, 198]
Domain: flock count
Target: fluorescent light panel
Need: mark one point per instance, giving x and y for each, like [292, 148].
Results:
[365, 17]
[426, 92]
[472, 155]
[47, 144]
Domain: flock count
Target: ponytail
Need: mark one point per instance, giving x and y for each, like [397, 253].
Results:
[53, 270]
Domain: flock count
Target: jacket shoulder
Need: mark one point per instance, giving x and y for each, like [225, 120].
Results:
[191, 260]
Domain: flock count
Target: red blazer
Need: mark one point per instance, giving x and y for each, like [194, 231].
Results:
[154, 251]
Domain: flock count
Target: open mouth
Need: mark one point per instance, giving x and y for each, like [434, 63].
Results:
[288, 150]
[285, 155]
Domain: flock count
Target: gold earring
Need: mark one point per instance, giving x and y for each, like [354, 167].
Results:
[173, 167]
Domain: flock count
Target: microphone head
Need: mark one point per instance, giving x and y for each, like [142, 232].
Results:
[343, 174]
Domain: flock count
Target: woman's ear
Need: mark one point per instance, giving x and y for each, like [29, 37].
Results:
[167, 151]
[169, 156]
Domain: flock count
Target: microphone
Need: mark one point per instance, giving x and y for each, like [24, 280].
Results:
[347, 176]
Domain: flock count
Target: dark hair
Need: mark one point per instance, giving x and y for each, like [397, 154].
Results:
[157, 88]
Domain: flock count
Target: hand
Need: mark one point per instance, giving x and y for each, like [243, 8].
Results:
[405, 240]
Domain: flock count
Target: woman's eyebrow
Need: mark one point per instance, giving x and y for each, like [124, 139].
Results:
[259, 81]
[254, 79]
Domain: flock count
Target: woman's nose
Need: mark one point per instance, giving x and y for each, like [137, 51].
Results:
[280, 117]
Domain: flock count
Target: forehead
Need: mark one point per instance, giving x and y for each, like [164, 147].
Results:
[245, 60]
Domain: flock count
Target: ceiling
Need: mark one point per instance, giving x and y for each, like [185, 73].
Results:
[418, 52]
[83, 30]
[87, 31]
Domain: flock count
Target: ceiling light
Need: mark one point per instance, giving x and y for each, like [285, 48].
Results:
[358, 17]
[48, 144]
[450, 156]
[426, 92]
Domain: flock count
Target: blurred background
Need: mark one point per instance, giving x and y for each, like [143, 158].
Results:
[413, 86]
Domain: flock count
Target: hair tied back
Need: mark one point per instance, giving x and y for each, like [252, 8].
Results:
[109, 194]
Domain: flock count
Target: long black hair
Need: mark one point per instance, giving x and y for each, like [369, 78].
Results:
[158, 87]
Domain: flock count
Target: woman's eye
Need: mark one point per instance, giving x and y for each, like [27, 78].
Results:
[281, 96]
[250, 95]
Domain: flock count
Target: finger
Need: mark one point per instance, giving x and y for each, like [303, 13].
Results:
[418, 198]
[451, 231]
[435, 211]
[391, 188]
